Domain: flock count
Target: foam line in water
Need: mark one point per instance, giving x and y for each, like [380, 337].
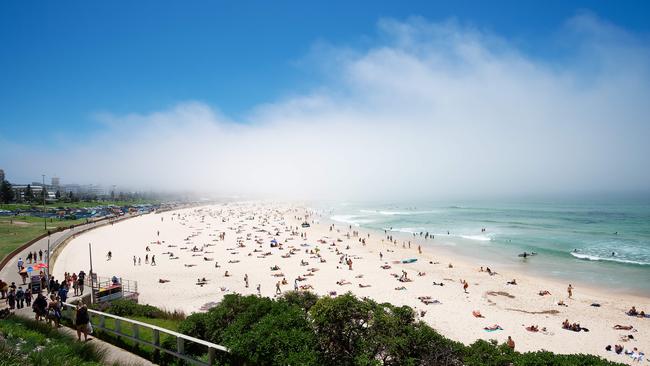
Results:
[609, 259]
[394, 213]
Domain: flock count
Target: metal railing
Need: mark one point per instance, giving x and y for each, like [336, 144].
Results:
[100, 323]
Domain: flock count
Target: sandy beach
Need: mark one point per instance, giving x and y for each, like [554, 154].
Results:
[251, 238]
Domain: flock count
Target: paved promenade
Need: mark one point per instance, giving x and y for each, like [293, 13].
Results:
[113, 355]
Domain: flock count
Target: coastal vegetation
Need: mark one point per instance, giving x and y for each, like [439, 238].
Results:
[25, 343]
[302, 329]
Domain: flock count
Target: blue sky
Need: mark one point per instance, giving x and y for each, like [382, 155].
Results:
[63, 62]
[487, 98]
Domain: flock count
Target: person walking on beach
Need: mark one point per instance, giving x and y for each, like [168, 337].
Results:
[511, 343]
[153, 260]
[465, 286]
[134, 261]
[569, 290]
[278, 291]
[246, 279]
[259, 290]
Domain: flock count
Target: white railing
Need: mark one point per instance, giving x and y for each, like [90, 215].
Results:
[100, 323]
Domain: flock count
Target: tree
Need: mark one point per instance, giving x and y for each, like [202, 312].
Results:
[6, 192]
[29, 195]
[57, 194]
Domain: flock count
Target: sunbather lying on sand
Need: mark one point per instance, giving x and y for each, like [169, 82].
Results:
[343, 282]
[493, 327]
[623, 327]
[400, 288]
[363, 285]
[532, 328]
[544, 292]
[385, 266]
[438, 283]
[160, 280]
[477, 314]
[429, 301]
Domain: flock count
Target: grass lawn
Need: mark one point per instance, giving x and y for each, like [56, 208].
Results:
[26, 343]
[144, 333]
[16, 231]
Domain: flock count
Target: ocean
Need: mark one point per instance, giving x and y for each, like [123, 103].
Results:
[595, 244]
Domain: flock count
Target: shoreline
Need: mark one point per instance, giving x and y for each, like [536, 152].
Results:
[253, 225]
[447, 252]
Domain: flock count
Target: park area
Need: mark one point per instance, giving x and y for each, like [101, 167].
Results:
[18, 230]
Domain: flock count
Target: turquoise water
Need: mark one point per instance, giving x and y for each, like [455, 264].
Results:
[598, 244]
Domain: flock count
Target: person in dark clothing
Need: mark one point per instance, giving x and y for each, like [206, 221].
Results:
[28, 297]
[63, 293]
[20, 298]
[39, 307]
[11, 299]
[81, 321]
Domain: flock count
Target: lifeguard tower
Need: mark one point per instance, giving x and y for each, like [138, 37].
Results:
[113, 288]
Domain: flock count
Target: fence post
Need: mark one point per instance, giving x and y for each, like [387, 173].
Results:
[211, 355]
[136, 331]
[180, 345]
[102, 322]
[156, 337]
[118, 326]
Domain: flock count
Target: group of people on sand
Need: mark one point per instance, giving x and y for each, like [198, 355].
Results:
[634, 312]
[573, 326]
[635, 353]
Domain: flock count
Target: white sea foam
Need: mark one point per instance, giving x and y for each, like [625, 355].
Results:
[476, 237]
[394, 213]
[609, 259]
[355, 220]
[408, 230]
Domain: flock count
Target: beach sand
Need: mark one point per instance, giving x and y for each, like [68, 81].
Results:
[249, 228]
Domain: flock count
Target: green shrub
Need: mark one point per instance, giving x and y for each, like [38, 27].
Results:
[301, 329]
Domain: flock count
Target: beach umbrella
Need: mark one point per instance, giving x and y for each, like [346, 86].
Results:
[30, 269]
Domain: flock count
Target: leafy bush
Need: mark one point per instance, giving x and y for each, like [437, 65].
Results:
[128, 308]
[302, 329]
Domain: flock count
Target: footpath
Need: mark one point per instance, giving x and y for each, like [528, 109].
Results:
[113, 355]
[9, 273]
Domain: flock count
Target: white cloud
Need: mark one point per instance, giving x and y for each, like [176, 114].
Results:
[432, 110]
